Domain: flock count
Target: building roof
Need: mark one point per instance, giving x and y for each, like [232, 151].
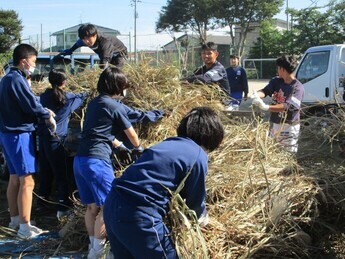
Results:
[74, 29]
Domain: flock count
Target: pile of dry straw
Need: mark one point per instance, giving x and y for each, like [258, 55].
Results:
[260, 202]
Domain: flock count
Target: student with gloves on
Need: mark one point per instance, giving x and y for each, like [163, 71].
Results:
[108, 47]
[19, 111]
[93, 169]
[287, 94]
[138, 202]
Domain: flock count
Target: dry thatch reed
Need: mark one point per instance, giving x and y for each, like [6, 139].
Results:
[184, 225]
[260, 202]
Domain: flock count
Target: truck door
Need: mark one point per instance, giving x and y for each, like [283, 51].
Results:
[340, 77]
[314, 73]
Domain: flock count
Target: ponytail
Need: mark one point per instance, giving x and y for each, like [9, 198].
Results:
[56, 78]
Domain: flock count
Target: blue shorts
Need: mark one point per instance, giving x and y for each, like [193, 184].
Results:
[19, 151]
[93, 177]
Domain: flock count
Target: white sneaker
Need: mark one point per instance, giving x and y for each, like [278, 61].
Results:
[235, 107]
[32, 232]
[229, 108]
[96, 254]
[15, 226]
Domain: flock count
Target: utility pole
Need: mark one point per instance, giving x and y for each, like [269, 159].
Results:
[41, 38]
[135, 30]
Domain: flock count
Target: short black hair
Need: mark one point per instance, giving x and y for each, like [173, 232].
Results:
[288, 62]
[203, 126]
[234, 56]
[87, 30]
[23, 51]
[112, 81]
[209, 45]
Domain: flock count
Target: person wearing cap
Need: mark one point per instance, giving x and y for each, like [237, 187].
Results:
[108, 47]
[212, 72]
[238, 82]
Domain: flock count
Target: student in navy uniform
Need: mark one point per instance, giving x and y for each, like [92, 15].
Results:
[19, 111]
[138, 202]
[93, 169]
[108, 47]
[212, 71]
[287, 94]
[238, 82]
[55, 165]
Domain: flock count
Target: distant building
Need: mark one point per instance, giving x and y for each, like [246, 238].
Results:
[254, 33]
[67, 37]
[190, 43]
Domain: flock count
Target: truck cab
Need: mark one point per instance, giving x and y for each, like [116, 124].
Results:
[322, 72]
[71, 63]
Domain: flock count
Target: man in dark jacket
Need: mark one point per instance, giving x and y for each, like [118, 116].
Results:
[212, 71]
[108, 47]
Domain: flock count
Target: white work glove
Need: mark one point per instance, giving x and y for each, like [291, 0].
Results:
[254, 95]
[203, 220]
[260, 103]
[51, 121]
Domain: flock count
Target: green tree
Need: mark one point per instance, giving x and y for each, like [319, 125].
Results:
[316, 28]
[12, 27]
[182, 15]
[337, 9]
[268, 44]
[244, 14]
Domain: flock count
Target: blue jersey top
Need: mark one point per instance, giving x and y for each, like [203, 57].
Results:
[136, 116]
[237, 79]
[19, 108]
[73, 102]
[290, 95]
[162, 166]
[215, 74]
[103, 113]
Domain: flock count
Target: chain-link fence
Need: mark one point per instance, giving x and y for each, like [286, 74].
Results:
[153, 48]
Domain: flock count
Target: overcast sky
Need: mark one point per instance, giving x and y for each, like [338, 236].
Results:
[53, 16]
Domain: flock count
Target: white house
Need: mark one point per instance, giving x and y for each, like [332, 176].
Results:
[65, 38]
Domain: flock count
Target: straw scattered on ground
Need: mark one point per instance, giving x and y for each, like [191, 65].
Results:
[262, 201]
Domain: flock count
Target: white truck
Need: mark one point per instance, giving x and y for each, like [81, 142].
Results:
[322, 72]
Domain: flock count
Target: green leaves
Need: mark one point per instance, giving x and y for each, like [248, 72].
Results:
[12, 27]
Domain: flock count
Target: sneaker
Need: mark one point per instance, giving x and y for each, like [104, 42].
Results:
[32, 232]
[15, 226]
[229, 108]
[63, 213]
[96, 254]
[235, 107]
